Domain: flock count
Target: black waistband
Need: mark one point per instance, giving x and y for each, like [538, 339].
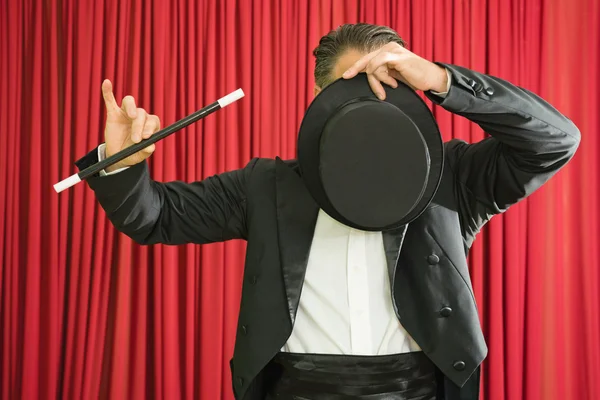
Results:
[404, 376]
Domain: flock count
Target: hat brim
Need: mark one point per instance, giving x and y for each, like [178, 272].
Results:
[380, 167]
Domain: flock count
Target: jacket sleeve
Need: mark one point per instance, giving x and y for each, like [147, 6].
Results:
[529, 142]
[150, 212]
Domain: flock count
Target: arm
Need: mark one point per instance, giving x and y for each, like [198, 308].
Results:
[530, 141]
[151, 212]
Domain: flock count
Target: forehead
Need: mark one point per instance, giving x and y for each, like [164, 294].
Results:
[345, 61]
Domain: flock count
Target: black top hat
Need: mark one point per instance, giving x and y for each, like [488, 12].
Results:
[372, 165]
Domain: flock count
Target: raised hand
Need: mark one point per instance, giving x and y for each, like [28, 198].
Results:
[125, 126]
[392, 63]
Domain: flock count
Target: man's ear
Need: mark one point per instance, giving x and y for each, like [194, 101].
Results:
[316, 90]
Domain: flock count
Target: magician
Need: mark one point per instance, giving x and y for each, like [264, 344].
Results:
[329, 310]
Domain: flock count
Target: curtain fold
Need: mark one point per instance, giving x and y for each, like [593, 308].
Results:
[86, 313]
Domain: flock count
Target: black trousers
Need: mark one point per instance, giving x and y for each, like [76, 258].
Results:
[407, 376]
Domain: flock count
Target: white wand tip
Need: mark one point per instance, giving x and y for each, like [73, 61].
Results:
[67, 183]
[230, 98]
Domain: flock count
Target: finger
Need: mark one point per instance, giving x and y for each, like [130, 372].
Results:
[109, 97]
[149, 150]
[137, 126]
[359, 65]
[376, 87]
[383, 59]
[389, 50]
[393, 63]
[157, 127]
[388, 80]
[128, 105]
[383, 75]
[396, 75]
[152, 125]
[395, 48]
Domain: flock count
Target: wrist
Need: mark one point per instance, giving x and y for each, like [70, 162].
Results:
[440, 84]
[113, 167]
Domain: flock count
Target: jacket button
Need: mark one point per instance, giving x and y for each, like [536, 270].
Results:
[253, 279]
[244, 330]
[459, 365]
[476, 86]
[489, 91]
[446, 312]
[433, 259]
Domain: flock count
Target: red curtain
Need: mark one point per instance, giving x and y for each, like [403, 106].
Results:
[86, 313]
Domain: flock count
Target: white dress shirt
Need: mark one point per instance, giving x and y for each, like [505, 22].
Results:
[346, 302]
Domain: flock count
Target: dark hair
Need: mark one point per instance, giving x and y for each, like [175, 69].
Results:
[361, 37]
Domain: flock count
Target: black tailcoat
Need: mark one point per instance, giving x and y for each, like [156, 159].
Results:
[266, 204]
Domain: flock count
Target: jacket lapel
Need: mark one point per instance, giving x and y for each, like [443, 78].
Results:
[392, 243]
[296, 219]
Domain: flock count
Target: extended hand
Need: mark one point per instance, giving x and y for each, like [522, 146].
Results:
[393, 62]
[125, 126]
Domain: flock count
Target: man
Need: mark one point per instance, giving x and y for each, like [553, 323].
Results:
[328, 311]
